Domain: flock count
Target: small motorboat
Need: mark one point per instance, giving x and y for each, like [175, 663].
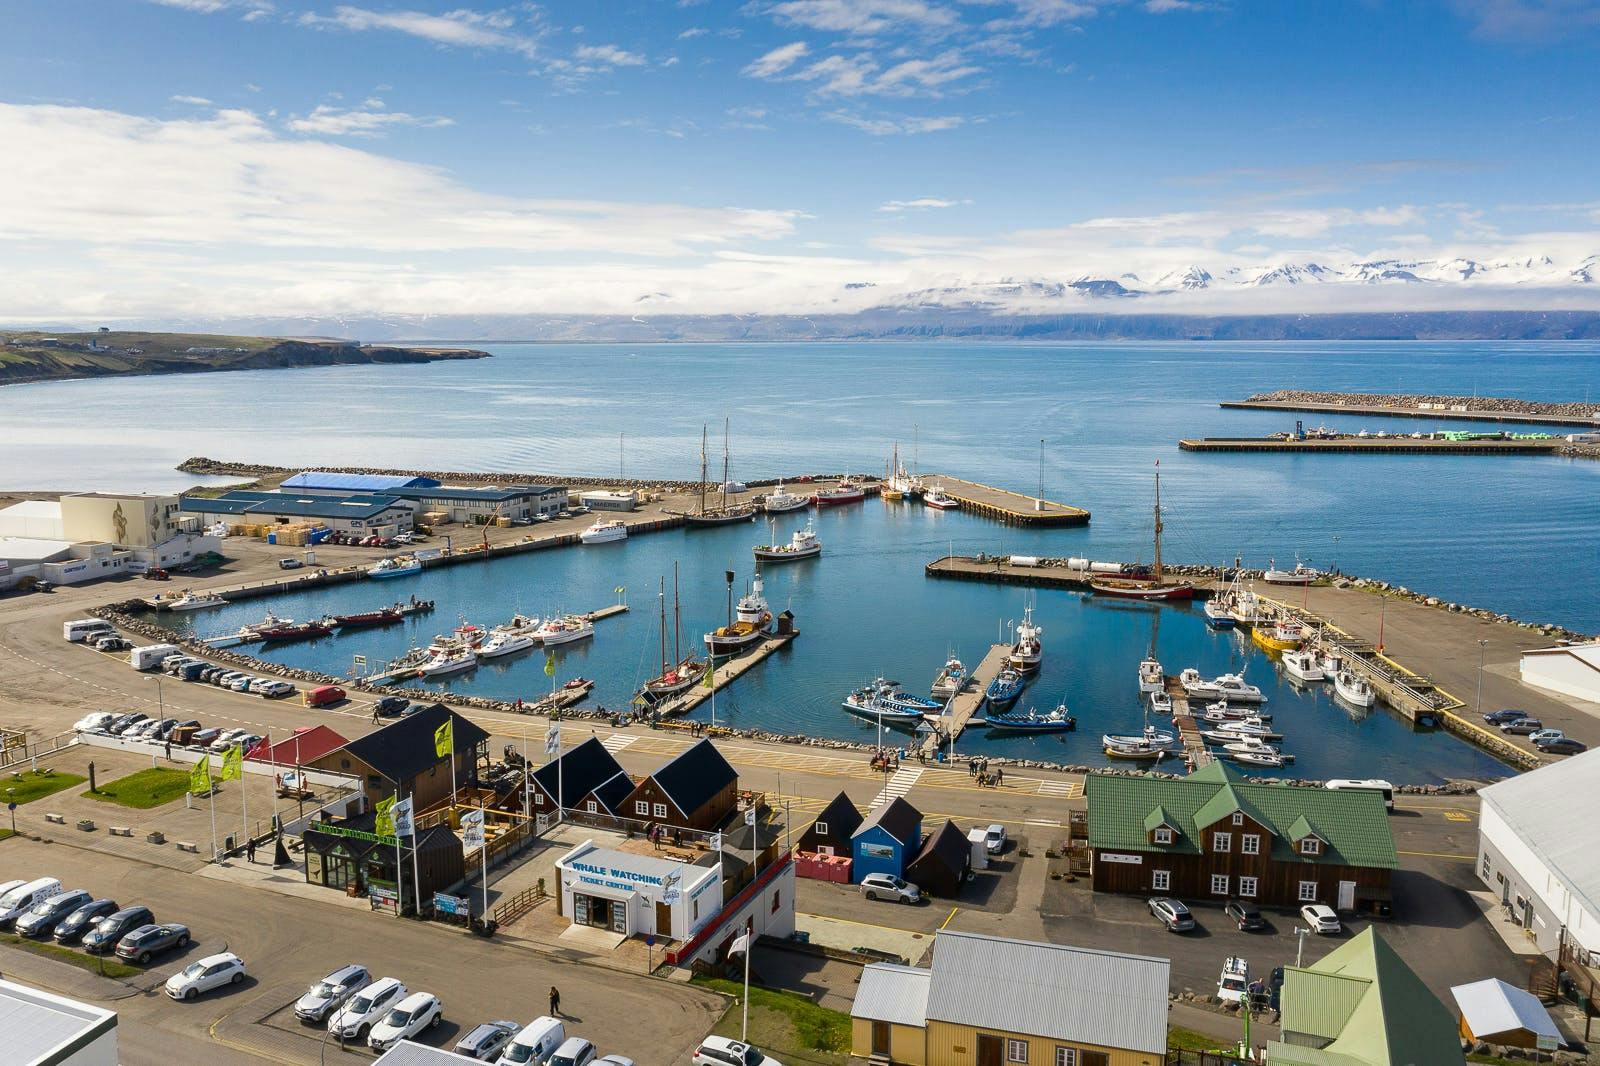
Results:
[1354, 689]
[195, 601]
[1218, 613]
[781, 500]
[1223, 711]
[605, 531]
[447, 663]
[395, 567]
[1004, 690]
[1151, 677]
[1220, 736]
[1137, 751]
[504, 641]
[1249, 727]
[802, 545]
[951, 679]
[1161, 703]
[872, 704]
[1303, 665]
[1032, 721]
[1259, 758]
[936, 499]
[1151, 735]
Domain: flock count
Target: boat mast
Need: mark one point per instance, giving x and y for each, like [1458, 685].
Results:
[725, 422]
[662, 599]
[702, 468]
[676, 615]
[1158, 526]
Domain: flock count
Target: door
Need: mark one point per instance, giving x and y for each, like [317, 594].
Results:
[619, 918]
[991, 1050]
[1347, 895]
[580, 909]
[880, 1038]
[663, 920]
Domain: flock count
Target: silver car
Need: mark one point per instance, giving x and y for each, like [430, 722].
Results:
[328, 994]
[485, 1041]
[890, 887]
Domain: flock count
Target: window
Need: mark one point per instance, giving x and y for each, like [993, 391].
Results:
[1250, 844]
[1163, 835]
[821, 829]
[1221, 842]
[661, 810]
[1219, 884]
[1093, 1058]
[1247, 887]
[1016, 1050]
[641, 807]
[538, 799]
[1483, 870]
[591, 807]
[776, 898]
[1308, 891]
[1311, 846]
[1066, 1056]
[1160, 880]
[1238, 818]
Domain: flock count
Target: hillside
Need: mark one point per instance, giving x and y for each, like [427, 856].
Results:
[32, 356]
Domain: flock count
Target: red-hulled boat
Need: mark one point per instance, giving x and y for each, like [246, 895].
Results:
[301, 631]
[1142, 590]
[387, 616]
[846, 491]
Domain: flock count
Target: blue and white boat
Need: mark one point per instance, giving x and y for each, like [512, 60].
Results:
[1004, 690]
[1034, 721]
[882, 702]
[1218, 614]
[400, 567]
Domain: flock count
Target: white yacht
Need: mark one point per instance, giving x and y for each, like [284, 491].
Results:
[1354, 689]
[564, 630]
[1303, 665]
[504, 640]
[1027, 651]
[1151, 677]
[195, 601]
[780, 500]
[802, 545]
[605, 531]
[1228, 687]
[442, 664]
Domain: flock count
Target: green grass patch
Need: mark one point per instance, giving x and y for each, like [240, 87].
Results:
[6, 833]
[1181, 1039]
[145, 788]
[94, 964]
[36, 785]
[786, 1025]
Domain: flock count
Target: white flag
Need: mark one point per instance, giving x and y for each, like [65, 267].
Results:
[472, 830]
[402, 818]
[740, 945]
[552, 740]
[750, 816]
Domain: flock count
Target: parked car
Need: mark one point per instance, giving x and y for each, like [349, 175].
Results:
[414, 708]
[1506, 715]
[1522, 727]
[1543, 735]
[112, 644]
[390, 706]
[147, 941]
[889, 887]
[109, 931]
[721, 1051]
[75, 925]
[326, 695]
[203, 737]
[994, 839]
[94, 723]
[1172, 914]
[576, 1051]
[485, 1041]
[1245, 915]
[43, 917]
[1561, 746]
[418, 1011]
[290, 564]
[242, 683]
[330, 993]
[127, 723]
[1233, 984]
[355, 1019]
[536, 1043]
[1320, 919]
[197, 978]
[613, 1060]
[273, 690]
[228, 738]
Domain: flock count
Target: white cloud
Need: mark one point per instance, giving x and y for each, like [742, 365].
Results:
[608, 55]
[197, 101]
[777, 60]
[860, 73]
[693, 32]
[253, 9]
[884, 127]
[924, 203]
[1044, 13]
[462, 28]
[371, 119]
[862, 17]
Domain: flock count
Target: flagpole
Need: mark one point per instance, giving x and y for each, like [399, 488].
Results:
[212, 789]
[244, 798]
[416, 869]
[399, 865]
[744, 1022]
[483, 854]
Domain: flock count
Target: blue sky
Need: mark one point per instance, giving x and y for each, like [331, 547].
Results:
[301, 156]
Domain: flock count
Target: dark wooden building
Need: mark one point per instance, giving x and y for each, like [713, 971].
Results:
[696, 790]
[830, 834]
[1214, 836]
[401, 757]
[349, 856]
[587, 779]
[942, 863]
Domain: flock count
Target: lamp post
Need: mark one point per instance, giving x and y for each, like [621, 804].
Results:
[1483, 646]
[161, 704]
[1383, 610]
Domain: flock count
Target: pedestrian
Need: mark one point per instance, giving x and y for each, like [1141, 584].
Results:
[972, 767]
[519, 704]
[999, 775]
[250, 851]
[555, 1002]
[374, 714]
[168, 746]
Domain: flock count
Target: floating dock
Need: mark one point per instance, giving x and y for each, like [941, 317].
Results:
[1370, 445]
[1382, 411]
[1006, 506]
[405, 667]
[1194, 745]
[964, 704]
[724, 674]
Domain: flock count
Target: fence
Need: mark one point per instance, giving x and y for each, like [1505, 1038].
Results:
[511, 908]
[15, 748]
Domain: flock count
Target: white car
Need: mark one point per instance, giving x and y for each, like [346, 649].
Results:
[410, 1016]
[994, 839]
[1319, 917]
[228, 738]
[213, 971]
[241, 683]
[366, 1008]
[94, 723]
[273, 689]
[890, 887]
[722, 1051]
[325, 997]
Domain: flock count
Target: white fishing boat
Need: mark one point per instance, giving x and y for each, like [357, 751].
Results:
[401, 566]
[1230, 687]
[1136, 751]
[1223, 711]
[1300, 575]
[1303, 665]
[936, 498]
[803, 544]
[1219, 615]
[781, 500]
[1161, 703]
[751, 624]
[564, 630]
[503, 641]
[1251, 727]
[605, 531]
[447, 663]
[1027, 651]
[1151, 677]
[951, 679]
[1246, 606]
[1330, 663]
[1151, 736]
[195, 601]
[1354, 689]
[464, 636]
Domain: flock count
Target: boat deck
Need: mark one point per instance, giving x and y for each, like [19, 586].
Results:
[724, 674]
[1006, 506]
[966, 702]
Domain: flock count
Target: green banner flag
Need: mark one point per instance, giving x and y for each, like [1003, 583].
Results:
[549, 666]
[385, 808]
[711, 672]
[232, 763]
[200, 776]
[444, 738]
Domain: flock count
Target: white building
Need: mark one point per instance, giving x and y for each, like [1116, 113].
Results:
[1540, 854]
[1573, 670]
[42, 1029]
[634, 894]
[605, 500]
[90, 535]
[33, 519]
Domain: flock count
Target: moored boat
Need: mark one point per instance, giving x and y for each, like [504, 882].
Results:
[1281, 636]
[674, 678]
[1259, 758]
[1303, 665]
[1033, 721]
[935, 497]
[446, 663]
[803, 544]
[1230, 687]
[1155, 590]
[1161, 703]
[395, 567]
[781, 500]
[282, 634]
[1004, 690]
[1354, 689]
[1139, 751]
[747, 627]
[724, 514]
[1151, 677]
[564, 630]
[846, 491]
[1218, 614]
[605, 531]
[504, 641]
[1300, 575]
[1151, 735]
[1027, 652]
[951, 679]
[195, 601]
[384, 617]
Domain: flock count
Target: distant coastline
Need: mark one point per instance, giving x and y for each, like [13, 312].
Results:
[36, 356]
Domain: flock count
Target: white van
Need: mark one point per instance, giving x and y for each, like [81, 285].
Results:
[83, 628]
[536, 1043]
[1383, 788]
[15, 904]
[152, 655]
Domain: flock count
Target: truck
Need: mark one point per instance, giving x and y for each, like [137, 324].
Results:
[151, 656]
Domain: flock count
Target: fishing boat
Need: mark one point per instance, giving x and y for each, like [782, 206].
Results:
[1033, 721]
[1300, 575]
[745, 628]
[564, 630]
[1330, 662]
[1151, 677]
[465, 635]
[505, 640]
[679, 672]
[723, 514]
[1303, 665]
[803, 544]
[395, 567]
[1004, 690]
[1027, 651]
[935, 497]
[447, 663]
[1354, 689]
[1246, 607]
[846, 491]
[291, 631]
[605, 531]
[1161, 703]
[781, 500]
[1218, 614]
[1251, 727]
[951, 679]
[1282, 636]
[1230, 687]
[195, 601]
[384, 617]
[249, 633]
[1154, 590]
[1151, 735]
[898, 484]
[1136, 751]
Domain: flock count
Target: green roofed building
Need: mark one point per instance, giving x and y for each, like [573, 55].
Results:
[1362, 1006]
[1213, 835]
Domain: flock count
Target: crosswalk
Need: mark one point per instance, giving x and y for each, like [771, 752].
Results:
[1061, 789]
[898, 785]
[617, 741]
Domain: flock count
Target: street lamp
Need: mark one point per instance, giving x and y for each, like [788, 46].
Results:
[1483, 646]
[161, 705]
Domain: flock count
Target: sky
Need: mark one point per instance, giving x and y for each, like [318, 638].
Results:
[186, 158]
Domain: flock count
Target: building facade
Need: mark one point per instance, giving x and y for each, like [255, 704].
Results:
[381, 515]
[886, 840]
[519, 503]
[632, 894]
[1573, 670]
[127, 520]
[401, 758]
[697, 789]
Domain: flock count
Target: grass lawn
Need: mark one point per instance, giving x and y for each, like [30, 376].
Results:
[786, 1025]
[4, 833]
[1181, 1039]
[108, 967]
[35, 786]
[145, 788]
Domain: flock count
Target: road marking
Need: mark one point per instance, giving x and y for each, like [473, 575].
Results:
[1051, 822]
[1066, 789]
[1457, 816]
[898, 785]
[1439, 855]
[948, 917]
[617, 741]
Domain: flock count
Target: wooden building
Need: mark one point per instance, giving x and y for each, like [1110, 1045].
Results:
[350, 857]
[942, 863]
[830, 834]
[588, 780]
[886, 840]
[1212, 835]
[401, 757]
[696, 790]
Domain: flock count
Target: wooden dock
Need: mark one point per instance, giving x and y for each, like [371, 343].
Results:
[1006, 506]
[1443, 414]
[1373, 445]
[965, 703]
[1194, 745]
[402, 670]
[724, 674]
[999, 570]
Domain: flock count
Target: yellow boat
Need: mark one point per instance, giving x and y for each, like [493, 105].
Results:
[892, 494]
[1281, 637]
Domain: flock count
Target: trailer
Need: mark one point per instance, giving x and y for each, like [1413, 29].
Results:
[151, 656]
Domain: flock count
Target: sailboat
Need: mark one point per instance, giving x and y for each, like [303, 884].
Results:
[723, 514]
[1146, 590]
[896, 482]
[673, 679]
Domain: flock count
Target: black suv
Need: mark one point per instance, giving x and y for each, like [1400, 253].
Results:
[103, 938]
[1245, 915]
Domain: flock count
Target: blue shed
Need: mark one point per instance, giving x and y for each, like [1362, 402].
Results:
[886, 841]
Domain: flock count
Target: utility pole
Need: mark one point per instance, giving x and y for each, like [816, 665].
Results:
[1483, 646]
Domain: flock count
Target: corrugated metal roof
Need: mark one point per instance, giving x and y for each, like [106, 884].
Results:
[252, 502]
[1492, 1006]
[33, 550]
[890, 993]
[408, 1053]
[1320, 1004]
[1050, 990]
[1537, 806]
[501, 494]
[327, 479]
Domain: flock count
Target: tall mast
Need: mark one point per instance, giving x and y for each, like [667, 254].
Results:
[676, 615]
[621, 463]
[662, 599]
[725, 464]
[702, 468]
[1158, 525]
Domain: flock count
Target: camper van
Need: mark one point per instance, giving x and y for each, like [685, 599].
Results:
[151, 656]
[82, 629]
[1383, 788]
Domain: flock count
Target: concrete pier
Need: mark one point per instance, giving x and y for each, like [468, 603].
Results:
[1386, 411]
[964, 704]
[999, 570]
[1373, 445]
[725, 673]
[1006, 506]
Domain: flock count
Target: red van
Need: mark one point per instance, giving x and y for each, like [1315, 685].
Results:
[323, 695]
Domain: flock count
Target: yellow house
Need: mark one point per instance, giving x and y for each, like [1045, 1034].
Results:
[992, 1001]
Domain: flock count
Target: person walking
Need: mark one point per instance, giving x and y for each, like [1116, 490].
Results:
[555, 1002]
[374, 714]
[250, 851]
[168, 746]
[999, 775]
